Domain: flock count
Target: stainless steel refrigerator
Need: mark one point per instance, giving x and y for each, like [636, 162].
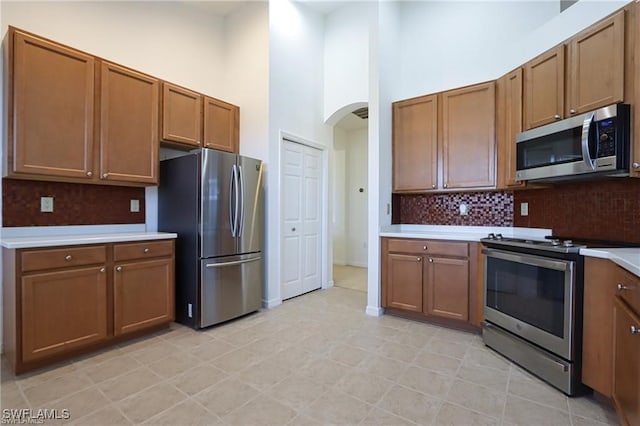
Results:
[214, 201]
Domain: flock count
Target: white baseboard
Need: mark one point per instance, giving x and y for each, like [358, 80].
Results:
[357, 264]
[374, 311]
[328, 284]
[269, 304]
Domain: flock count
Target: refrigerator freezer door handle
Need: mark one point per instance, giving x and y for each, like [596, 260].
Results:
[232, 213]
[236, 262]
[241, 223]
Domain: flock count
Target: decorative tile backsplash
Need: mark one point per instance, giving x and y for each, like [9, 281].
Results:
[485, 209]
[74, 204]
[602, 210]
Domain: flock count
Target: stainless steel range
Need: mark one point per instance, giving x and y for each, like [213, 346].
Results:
[533, 306]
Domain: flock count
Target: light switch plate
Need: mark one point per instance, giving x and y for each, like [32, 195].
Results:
[135, 206]
[46, 204]
[524, 209]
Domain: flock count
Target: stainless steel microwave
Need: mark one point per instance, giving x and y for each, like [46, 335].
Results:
[583, 146]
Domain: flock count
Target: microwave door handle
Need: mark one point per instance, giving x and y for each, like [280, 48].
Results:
[586, 126]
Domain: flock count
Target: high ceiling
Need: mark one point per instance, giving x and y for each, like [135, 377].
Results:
[223, 8]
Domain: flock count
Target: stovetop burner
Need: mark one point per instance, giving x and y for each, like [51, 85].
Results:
[553, 244]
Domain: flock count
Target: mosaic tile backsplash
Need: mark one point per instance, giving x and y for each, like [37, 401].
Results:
[601, 210]
[74, 204]
[485, 209]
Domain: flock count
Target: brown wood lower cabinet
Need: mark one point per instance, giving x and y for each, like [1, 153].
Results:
[431, 278]
[61, 301]
[626, 362]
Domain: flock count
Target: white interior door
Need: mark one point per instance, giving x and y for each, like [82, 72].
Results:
[301, 219]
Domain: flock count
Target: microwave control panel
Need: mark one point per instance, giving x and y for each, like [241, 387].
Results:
[606, 137]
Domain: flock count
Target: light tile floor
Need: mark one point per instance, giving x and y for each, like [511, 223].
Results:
[317, 359]
[350, 277]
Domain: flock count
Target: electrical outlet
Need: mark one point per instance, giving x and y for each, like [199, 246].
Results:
[135, 206]
[524, 209]
[46, 204]
[464, 209]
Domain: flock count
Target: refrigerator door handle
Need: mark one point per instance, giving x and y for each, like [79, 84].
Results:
[232, 213]
[236, 262]
[241, 223]
[236, 194]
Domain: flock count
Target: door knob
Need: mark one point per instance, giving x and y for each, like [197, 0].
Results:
[293, 229]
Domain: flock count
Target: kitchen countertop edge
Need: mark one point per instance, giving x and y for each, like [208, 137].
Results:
[460, 233]
[82, 239]
[627, 258]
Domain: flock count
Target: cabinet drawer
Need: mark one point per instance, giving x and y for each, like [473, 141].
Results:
[142, 250]
[432, 247]
[36, 260]
[628, 288]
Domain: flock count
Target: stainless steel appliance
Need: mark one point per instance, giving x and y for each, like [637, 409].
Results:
[583, 146]
[533, 306]
[213, 200]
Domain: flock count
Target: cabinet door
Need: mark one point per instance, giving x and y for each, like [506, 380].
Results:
[626, 365]
[509, 120]
[415, 144]
[221, 125]
[143, 295]
[468, 137]
[63, 310]
[544, 88]
[446, 292]
[181, 115]
[596, 70]
[128, 125]
[51, 116]
[404, 282]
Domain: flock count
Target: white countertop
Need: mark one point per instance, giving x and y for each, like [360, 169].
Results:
[51, 236]
[628, 258]
[461, 233]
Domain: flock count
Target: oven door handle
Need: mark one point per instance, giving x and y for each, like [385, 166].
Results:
[529, 259]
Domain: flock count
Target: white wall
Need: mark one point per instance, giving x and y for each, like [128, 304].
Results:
[338, 196]
[296, 36]
[356, 178]
[346, 57]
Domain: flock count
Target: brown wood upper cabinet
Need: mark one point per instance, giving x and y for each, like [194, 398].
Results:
[415, 144]
[544, 88]
[181, 118]
[221, 125]
[509, 124]
[468, 137]
[128, 125]
[51, 108]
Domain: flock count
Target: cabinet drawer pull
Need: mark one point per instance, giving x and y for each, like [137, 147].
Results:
[622, 287]
[146, 250]
[433, 186]
[634, 330]
[424, 247]
[105, 175]
[557, 117]
[445, 185]
[101, 269]
[572, 111]
[418, 259]
[636, 165]
[119, 268]
[89, 174]
[68, 258]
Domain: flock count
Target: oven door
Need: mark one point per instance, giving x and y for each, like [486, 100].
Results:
[532, 297]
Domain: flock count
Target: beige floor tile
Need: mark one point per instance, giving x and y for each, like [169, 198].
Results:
[486, 358]
[146, 404]
[122, 387]
[527, 413]
[110, 368]
[456, 336]
[139, 343]
[56, 388]
[383, 367]
[378, 417]
[414, 339]
[210, 349]
[243, 337]
[261, 410]
[96, 358]
[302, 420]
[366, 341]
[323, 371]
[264, 374]
[188, 339]
[198, 378]
[398, 351]
[347, 354]
[236, 360]
[107, 416]
[294, 357]
[187, 412]
[583, 421]
[488, 377]
[526, 386]
[436, 362]
[267, 346]
[226, 396]
[42, 375]
[477, 398]
[82, 403]
[589, 408]
[338, 408]
[350, 277]
[364, 386]
[156, 350]
[447, 347]
[317, 345]
[11, 396]
[174, 364]
[412, 405]
[297, 391]
[452, 415]
[426, 381]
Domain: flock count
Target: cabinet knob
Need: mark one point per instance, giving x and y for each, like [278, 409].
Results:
[433, 186]
[68, 258]
[89, 174]
[445, 185]
[119, 268]
[105, 175]
[146, 250]
[634, 330]
[572, 111]
[622, 287]
[424, 247]
[101, 269]
[636, 165]
[430, 260]
[557, 117]
[418, 259]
